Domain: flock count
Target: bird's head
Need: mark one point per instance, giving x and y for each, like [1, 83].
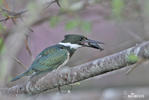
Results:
[76, 41]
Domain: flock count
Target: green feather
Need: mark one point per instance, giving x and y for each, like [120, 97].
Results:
[48, 60]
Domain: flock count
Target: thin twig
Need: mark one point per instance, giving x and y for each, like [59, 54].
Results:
[12, 15]
[28, 48]
[20, 63]
[4, 19]
[55, 1]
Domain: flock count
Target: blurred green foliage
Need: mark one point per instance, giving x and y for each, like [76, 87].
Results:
[72, 24]
[54, 21]
[1, 40]
[31, 6]
[117, 8]
[3, 13]
[85, 26]
[2, 48]
[1, 2]
[2, 28]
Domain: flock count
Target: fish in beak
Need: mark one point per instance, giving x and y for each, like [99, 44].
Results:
[93, 44]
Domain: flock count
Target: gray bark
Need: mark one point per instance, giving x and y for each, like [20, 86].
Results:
[67, 76]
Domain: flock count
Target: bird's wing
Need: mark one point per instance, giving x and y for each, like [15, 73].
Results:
[47, 60]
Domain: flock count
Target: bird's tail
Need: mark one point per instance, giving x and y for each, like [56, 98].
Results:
[20, 76]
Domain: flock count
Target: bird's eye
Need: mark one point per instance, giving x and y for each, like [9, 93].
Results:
[81, 38]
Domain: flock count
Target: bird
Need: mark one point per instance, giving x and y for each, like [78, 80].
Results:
[58, 55]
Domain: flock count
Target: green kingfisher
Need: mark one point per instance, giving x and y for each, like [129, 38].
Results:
[58, 55]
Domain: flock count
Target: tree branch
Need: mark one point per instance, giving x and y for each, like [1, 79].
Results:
[67, 76]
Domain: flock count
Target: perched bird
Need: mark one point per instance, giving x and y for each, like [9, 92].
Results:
[58, 55]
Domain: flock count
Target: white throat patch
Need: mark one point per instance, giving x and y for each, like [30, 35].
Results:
[74, 46]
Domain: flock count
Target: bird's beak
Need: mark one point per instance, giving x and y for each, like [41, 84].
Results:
[93, 44]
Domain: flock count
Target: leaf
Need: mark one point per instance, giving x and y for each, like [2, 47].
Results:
[76, 84]
[72, 24]
[132, 58]
[117, 7]
[54, 21]
[86, 26]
